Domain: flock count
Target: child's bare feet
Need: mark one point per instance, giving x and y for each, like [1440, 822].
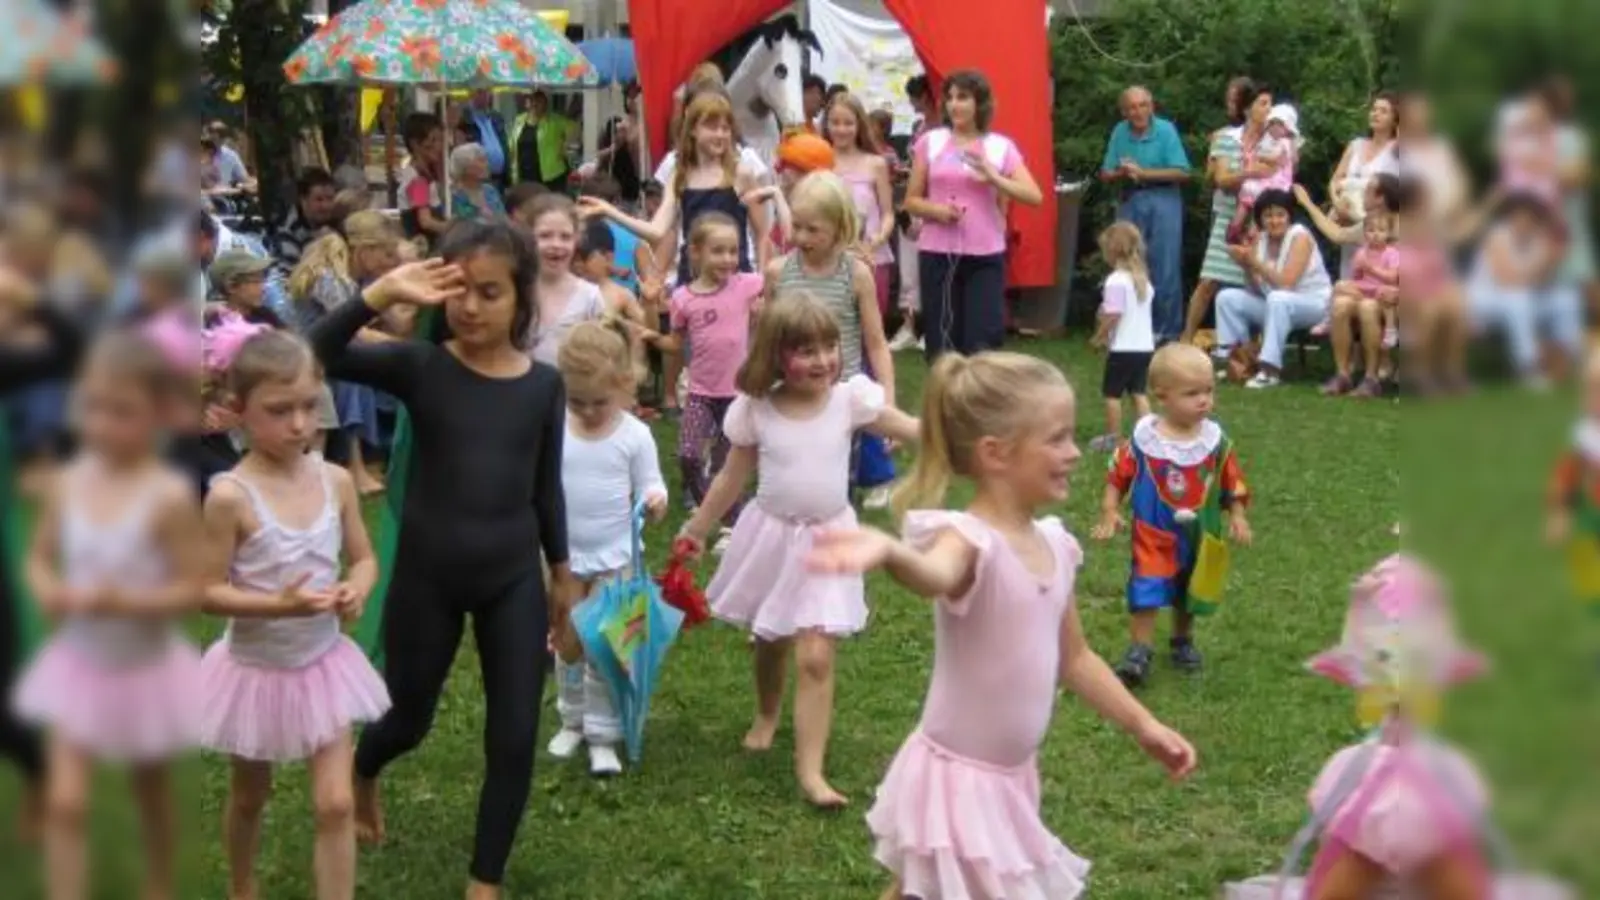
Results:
[820, 793]
[369, 812]
[477, 890]
[761, 733]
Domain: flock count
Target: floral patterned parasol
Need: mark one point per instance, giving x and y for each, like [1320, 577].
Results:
[40, 46]
[458, 43]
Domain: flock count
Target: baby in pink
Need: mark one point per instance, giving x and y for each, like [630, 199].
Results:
[1280, 148]
[1375, 274]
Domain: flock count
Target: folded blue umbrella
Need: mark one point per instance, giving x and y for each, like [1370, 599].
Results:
[626, 630]
[612, 58]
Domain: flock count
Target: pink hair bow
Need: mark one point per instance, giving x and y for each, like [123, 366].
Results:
[177, 339]
[223, 341]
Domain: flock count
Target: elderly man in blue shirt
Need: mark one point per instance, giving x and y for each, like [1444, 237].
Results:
[1145, 159]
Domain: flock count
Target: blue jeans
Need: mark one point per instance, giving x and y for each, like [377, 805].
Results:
[1523, 313]
[1239, 311]
[1158, 214]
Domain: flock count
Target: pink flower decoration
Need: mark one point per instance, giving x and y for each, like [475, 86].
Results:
[223, 342]
[177, 338]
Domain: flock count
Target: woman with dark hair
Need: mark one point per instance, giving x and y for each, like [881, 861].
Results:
[1289, 287]
[963, 177]
[421, 182]
[1247, 122]
[1364, 158]
[1513, 287]
[480, 500]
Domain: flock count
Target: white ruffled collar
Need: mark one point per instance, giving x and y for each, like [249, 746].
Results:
[1152, 443]
[1586, 438]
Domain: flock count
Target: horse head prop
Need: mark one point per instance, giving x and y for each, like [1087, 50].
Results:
[766, 88]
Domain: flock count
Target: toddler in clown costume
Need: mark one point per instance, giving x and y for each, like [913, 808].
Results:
[1400, 814]
[1573, 498]
[1181, 478]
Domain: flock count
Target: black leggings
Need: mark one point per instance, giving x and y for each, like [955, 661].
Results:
[423, 619]
[18, 742]
[963, 302]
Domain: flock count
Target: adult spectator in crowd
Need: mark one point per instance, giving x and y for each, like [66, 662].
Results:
[1289, 288]
[621, 153]
[813, 100]
[229, 162]
[920, 94]
[1513, 288]
[539, 140]
[421, 188]
[1248, 105]
[1145, 159]
[1431, 159]
[473, 196]
[1576, 179]
[962, 177]
[313, 211]
[223, 180]
[1364, 159]
[487, 128]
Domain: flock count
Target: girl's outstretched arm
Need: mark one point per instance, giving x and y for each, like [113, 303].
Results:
[1085, 674]
[725, 489]
[651, 231]
[897, 426]
[945, 569]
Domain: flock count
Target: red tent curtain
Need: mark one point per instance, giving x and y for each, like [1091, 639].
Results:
[671, 37]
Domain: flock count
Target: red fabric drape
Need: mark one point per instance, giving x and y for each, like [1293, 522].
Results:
[671, 37]
[1013, 52]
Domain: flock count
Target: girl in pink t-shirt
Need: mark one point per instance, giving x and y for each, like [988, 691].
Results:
[793, 421]
[962, 177]
[713, 314]
[957, 816]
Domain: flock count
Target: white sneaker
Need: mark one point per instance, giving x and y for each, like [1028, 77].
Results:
[723, 540]
[904, 339]
[565, 743]
[603, 761]
[877, 498]
[1263, 380]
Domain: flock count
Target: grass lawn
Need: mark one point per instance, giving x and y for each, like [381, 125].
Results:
[701, 819]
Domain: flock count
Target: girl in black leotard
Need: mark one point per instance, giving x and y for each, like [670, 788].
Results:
[708, 178]
[483, 496]
[22, 367]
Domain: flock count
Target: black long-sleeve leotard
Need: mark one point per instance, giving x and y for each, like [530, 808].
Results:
[22, 367]
[484, 488]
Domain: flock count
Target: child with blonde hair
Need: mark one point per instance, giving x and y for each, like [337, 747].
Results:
[289, 558]
[1126, 331]
[859, 161]
[957, 815]
[712, 314]
[114, 562]
[1182, 478]
[822, 265]
[608, 466]
[793, 422]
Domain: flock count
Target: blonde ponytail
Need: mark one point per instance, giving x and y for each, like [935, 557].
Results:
[929, 480]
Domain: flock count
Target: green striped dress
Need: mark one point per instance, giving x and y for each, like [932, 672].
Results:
[1218, 265]
[838, 293]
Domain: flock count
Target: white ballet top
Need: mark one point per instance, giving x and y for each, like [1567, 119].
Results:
[805, 463]
[274, 558]
[122, 553]
[604, 478]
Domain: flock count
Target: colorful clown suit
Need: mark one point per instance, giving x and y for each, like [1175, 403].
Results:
[1177, 493]
[1575, 492]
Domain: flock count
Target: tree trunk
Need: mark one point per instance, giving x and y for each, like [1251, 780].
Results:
[265, 33]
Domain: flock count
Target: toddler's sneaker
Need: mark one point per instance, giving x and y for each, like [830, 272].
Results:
[1186, 656]
[603, 761]
[903, 340]
[1134, 669]
[565, 743]
[1391, 337]
[877, 498]
[1263, 380]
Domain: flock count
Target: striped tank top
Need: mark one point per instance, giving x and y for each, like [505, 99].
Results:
[838, 293]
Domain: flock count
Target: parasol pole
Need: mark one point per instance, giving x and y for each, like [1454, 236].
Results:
[391, 115]
[448, 132]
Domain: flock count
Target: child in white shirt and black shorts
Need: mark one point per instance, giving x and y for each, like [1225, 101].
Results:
[1126, 331]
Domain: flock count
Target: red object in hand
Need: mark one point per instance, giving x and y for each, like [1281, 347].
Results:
[678, 587]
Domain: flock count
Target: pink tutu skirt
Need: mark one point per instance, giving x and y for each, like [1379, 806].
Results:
[285, 715]
[140, 713]
[763, 584]
[953, 828]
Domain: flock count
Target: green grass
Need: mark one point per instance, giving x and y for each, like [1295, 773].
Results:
[700, 819]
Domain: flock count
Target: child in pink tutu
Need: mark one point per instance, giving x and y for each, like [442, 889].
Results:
[113, 560]
[794, 422]
[1401, 814]
[957, 816]
[284, 684]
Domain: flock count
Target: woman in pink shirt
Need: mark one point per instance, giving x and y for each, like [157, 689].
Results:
[962, 176]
